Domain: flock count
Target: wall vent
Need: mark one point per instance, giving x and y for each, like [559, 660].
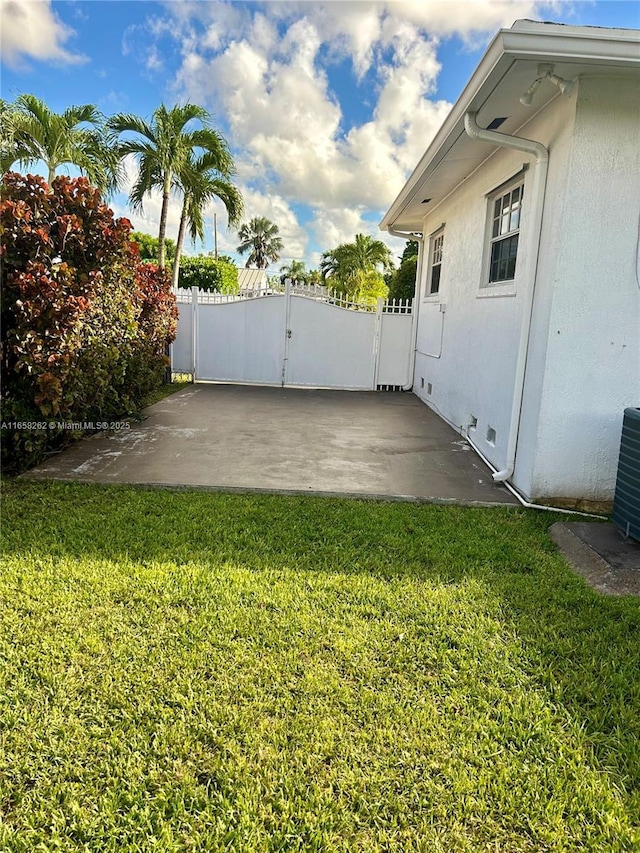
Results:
[626, 501]
[388, 387]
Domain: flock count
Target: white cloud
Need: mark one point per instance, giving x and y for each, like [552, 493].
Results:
[154, 61]
[464, 18]
[30, 28]
[283, 117]
[333, 226]
[287, 122]
[266, 74]
[276, 208]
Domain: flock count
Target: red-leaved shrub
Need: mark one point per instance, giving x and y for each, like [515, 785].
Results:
[85, 323]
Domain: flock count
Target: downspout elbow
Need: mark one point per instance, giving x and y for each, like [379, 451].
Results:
[529, 146]
[502, 476]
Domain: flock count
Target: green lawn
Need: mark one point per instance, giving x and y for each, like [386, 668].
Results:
[187, 671]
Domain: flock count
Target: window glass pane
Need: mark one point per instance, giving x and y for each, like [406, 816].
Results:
[503, 259]
[514, 222]
[434, 286]
[496, 228]
[437, 249]
[497, 207]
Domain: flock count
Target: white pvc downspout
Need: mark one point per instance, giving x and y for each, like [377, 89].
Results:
[419, 238]
[529, 274]
[525, 503]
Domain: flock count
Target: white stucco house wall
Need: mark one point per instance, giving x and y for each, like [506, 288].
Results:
[528, 294]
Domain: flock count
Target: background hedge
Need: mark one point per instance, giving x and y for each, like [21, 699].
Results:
[208, 274]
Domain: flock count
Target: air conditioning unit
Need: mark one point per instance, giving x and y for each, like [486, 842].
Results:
[626, 501]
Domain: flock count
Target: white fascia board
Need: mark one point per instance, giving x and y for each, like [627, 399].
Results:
[526, 40]
[613, 46]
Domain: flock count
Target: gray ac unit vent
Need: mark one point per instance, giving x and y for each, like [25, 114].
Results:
[626, 502]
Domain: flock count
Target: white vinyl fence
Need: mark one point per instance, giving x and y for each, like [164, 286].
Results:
[301, 337]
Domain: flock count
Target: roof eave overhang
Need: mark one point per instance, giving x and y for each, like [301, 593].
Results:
[617, 48]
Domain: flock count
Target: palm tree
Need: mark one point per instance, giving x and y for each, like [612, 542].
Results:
[10, 149]
[330, 263]
[294, 271]
[350, 260]
[32, 132]
[261, 236]
[162, 148]
[202, 180]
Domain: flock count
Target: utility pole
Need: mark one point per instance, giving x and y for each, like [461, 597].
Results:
[215, 235]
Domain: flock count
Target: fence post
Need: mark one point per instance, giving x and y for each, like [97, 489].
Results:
[194, 330]
[287, 330]
[376, 343]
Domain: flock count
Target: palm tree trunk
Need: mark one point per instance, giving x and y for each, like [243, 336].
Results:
[163, 218]
[52, 174]
[183, 227]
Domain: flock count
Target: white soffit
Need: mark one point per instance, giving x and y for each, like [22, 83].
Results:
[506, 70]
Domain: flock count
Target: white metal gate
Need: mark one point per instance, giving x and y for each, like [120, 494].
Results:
[301, 337]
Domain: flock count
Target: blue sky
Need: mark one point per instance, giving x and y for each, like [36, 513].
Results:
[327, 106]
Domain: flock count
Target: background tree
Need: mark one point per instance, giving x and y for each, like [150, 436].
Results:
[295, 270]
[218, 275]
[402, 282]
[349, 263]
[260, 238]
[366, 254]
[33, 133]
[367, 287]
[410, 250]
[10, 150]
[201, 180]
[148, 246]
[162, 148]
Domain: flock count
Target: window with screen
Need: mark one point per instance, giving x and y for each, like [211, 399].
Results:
[436, 251]
[506, 211]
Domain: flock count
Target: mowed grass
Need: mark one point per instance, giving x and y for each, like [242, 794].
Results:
[187, 671]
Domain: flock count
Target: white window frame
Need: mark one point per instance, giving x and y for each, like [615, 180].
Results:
[502, 227]
[436, 257]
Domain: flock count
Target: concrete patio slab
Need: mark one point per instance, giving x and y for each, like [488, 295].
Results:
[233, 437]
